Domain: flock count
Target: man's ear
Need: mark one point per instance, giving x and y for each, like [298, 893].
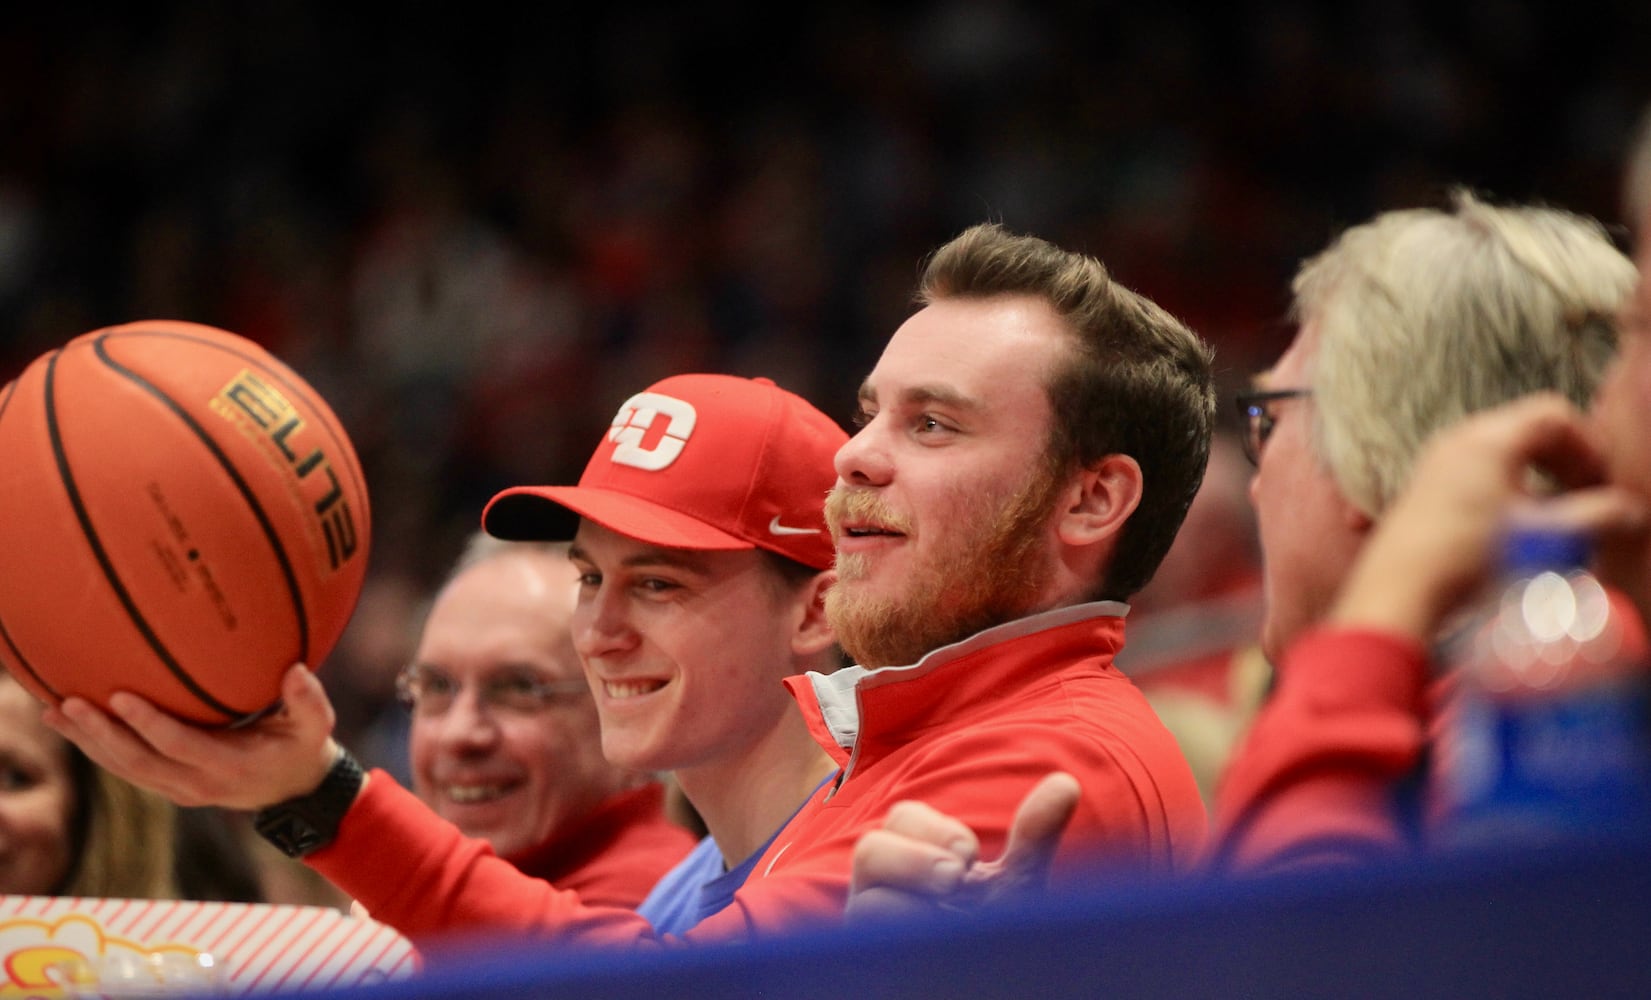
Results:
[811, 633]
[1355, 518]
[1098, 501]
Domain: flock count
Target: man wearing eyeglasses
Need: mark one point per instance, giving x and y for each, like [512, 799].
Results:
[505, 741]
[1408, 324]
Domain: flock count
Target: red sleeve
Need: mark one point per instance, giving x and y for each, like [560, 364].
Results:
[1313, 782]
[419, 874]
[613, 856]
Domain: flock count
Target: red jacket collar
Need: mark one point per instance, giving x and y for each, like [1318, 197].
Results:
[952, 682]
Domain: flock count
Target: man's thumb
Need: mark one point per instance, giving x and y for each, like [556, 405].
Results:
[1036, 831]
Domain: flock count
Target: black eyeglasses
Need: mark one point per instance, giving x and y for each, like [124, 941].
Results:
[1254, 408]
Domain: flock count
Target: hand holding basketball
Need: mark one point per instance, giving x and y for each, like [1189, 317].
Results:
[181, 516]
[285, 755]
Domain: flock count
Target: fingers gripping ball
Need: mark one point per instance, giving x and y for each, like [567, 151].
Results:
[181, 516]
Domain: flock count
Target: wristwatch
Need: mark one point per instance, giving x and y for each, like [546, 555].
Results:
[308, 823]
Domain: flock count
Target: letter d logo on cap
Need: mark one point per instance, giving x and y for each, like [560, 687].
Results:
[634, 419]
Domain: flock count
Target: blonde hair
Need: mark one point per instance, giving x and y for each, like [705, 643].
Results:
[1424, 316]
[126, 836]
[125, 840]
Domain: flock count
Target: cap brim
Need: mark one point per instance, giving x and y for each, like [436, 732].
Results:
[552, 513]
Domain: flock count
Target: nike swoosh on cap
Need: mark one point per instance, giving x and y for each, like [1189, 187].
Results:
[776, 528]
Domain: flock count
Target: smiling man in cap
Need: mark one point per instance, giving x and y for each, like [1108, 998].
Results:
[699, 539]
[702, 553]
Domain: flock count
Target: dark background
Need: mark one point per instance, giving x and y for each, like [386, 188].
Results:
[478, 228]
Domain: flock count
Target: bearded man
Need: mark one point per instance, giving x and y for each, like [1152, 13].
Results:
[1028, 445]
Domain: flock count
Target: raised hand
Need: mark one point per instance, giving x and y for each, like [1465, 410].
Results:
[1437, 543]
[923, 861]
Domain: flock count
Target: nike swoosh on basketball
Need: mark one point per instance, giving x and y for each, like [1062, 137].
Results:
[776, 528]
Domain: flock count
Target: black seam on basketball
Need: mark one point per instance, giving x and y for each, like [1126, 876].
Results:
[5, 635]
[90, 533]
[270, 535]
[308, 391]
[17, 655]
[235, 476]
[66, 475]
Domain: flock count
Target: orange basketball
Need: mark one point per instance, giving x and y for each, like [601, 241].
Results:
[181, 516]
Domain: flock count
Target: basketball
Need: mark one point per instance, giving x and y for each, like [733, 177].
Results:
[181, 516]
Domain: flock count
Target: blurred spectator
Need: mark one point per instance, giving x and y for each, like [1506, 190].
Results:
[1330, 771]
[360, 675]
[1193, 639]
[506, 742]
[69, 828]
[1410, 323]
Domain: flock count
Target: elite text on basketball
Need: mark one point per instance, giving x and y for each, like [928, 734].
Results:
[282, 427]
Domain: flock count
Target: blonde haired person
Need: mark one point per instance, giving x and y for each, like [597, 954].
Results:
[70, 828]
[1425, 315]
[1408, 323]
[125, 838]
[1370, 669]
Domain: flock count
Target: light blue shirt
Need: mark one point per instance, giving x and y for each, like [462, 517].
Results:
[698, 887]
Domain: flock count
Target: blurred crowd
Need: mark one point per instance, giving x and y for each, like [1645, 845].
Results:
[477, 229]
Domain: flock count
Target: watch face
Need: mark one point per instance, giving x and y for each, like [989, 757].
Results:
[310, 822]
[290, 831]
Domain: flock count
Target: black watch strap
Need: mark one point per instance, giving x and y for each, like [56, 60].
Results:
[308, 823]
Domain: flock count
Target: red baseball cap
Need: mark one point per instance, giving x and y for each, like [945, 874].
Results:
[697, 462]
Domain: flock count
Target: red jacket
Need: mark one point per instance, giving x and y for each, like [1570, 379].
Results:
[1316, 780]
[1313, 781]
[969, 729]
[972, 727]
[613, 856]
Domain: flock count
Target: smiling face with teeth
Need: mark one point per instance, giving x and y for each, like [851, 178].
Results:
[515, 779]
[685, 650]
